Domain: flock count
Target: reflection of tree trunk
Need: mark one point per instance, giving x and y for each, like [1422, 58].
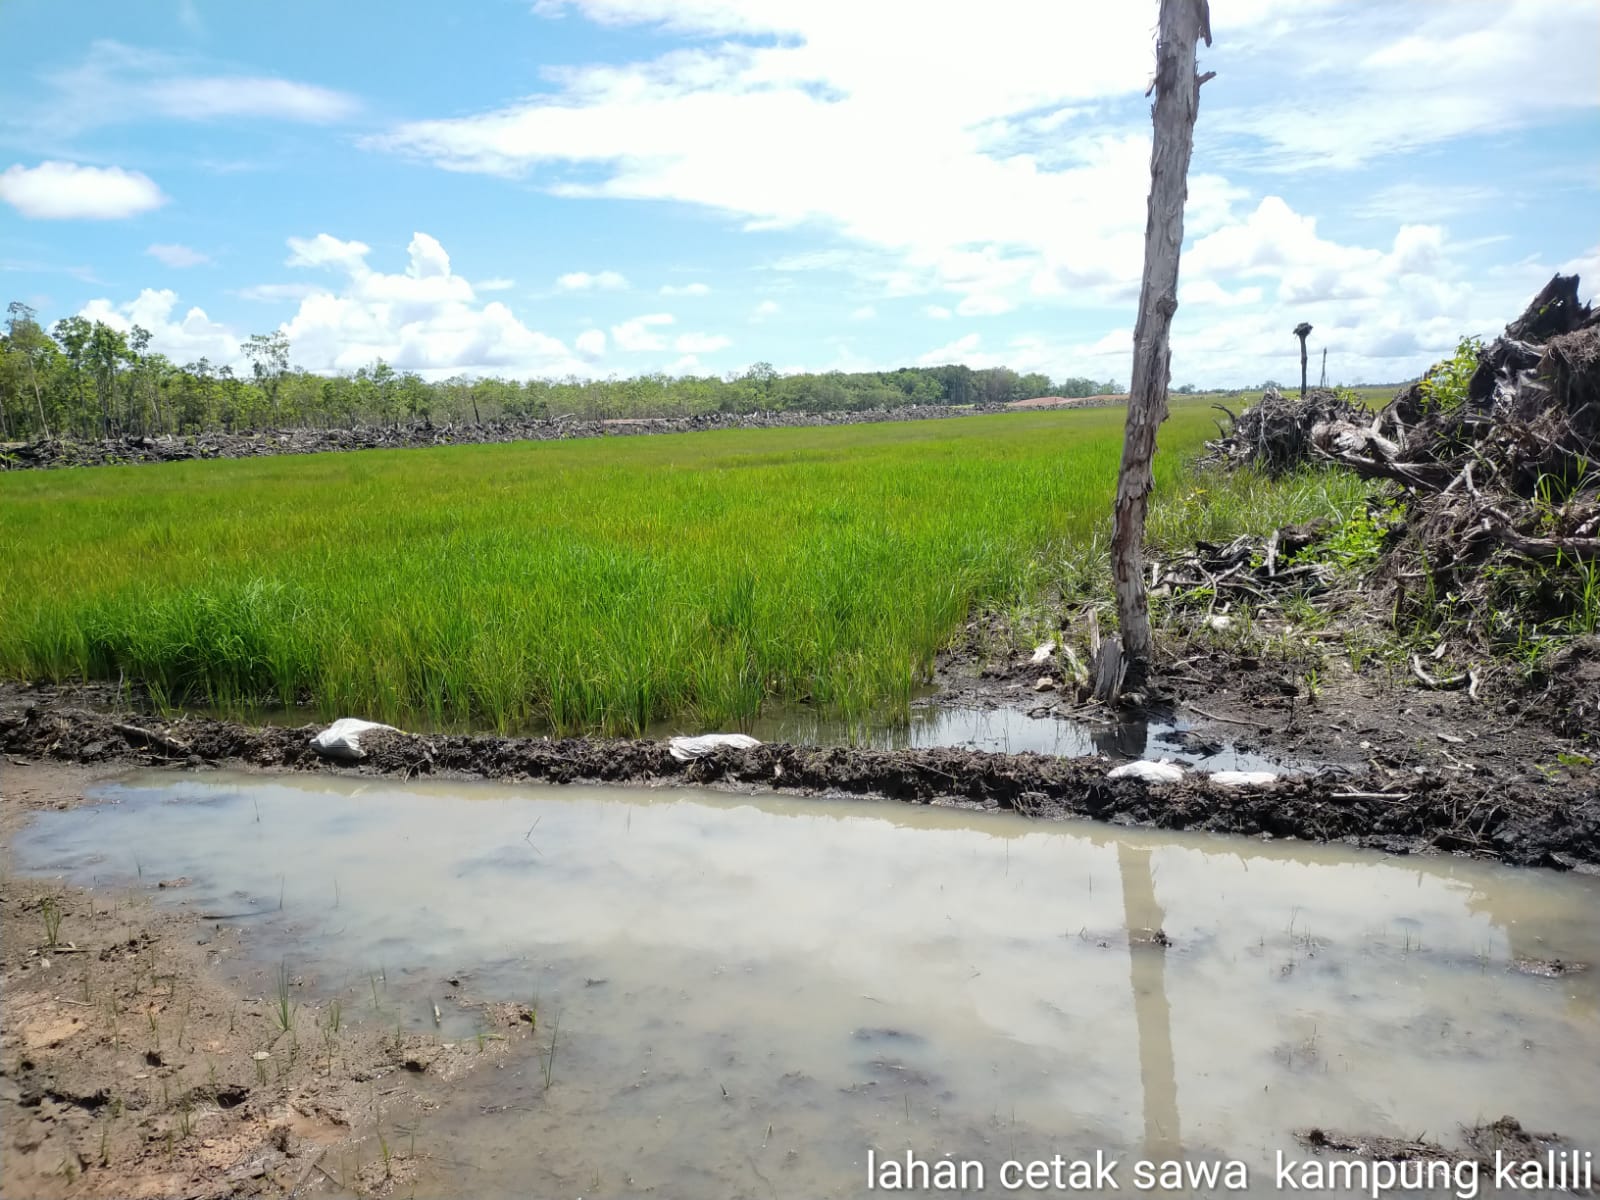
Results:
[1122, 739]
[1152, 1014]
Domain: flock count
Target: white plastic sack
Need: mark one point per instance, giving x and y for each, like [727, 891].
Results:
[342, 739]
[686, 748]
[1242, 778]
[1041, 654]
[1165, 771]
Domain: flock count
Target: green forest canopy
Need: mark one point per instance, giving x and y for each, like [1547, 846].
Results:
[84, 379]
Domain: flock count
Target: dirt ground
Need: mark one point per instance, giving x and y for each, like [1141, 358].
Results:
[137, 1060]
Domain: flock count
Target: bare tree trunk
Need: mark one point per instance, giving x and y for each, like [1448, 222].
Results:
[1177, 89]
[1302, 331]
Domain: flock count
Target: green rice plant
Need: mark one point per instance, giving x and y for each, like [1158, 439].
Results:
[603, 584]
[550, 1055]
[50, 912]
[282, 1011]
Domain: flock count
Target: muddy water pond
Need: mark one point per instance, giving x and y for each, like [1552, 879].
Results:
[767, 997]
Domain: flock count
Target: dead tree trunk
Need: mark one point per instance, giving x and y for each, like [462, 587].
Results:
[1177, 91]
[1302, 331]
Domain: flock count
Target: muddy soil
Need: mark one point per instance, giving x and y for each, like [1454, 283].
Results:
[135, 449]
[1485, 799]
[138, 1060]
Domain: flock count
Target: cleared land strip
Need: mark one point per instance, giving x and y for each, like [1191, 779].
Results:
[420, 434]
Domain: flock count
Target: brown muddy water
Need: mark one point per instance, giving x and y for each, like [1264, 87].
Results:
[749, 995]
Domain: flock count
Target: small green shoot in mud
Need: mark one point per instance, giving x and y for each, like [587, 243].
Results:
[550, 1056]
[50, 911]
[282, 1010]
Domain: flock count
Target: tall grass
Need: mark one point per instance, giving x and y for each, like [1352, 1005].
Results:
[590, 585]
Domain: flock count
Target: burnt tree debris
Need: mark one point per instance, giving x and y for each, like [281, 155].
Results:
[1513, 464]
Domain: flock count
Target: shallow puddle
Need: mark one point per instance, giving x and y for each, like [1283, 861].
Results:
[995, 730]
[1000, 731]
[754, 994]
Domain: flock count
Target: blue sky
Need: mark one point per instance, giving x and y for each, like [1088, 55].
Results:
[594, 187]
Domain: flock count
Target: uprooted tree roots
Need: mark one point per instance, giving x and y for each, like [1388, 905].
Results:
[1495, 453]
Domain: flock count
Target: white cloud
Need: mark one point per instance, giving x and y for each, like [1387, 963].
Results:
[213, 98]
[324, 250]
[496, 284]
[1381, 80]
[957, 351]
[937, 312]
[687, 365]
[865, 313]
[984, 304]
[637, 336]
[1042, 156]
[583, 281]
[591, 343]
[67, 191]
[185, 339]
[687, 289]
[175, 255]
[1207, 293]
[119, 84]
[274, 292]
[427, 319]
[767, 308]
[700, 343]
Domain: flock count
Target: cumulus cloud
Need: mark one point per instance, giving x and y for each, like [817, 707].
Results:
[497, 284]
[176, 255]
[591, 343]
[425, 319]
[583, 281]
[638, 336]
[687, 289]
[958, 351]
[937, 312]
[1042, 157]
[188, 338]
[865, 313]
[324, 250]
[767, 308]
[60, 191]
[700, 343]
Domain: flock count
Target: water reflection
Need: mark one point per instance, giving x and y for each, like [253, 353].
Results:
[786, 983]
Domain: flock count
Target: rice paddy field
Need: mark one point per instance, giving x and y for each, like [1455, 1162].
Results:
[581, 585]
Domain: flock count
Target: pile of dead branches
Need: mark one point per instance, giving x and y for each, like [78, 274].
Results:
[1275, 434]
[1514, 465]
[1498, 476]
[1248, 572]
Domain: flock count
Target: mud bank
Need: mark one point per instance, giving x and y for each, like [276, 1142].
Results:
[1399, 810]
[145, 1054]
[418, 435]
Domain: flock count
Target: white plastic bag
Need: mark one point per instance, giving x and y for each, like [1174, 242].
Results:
[342, 739]
[1242, 778]
[686, 748]
[1165, 771]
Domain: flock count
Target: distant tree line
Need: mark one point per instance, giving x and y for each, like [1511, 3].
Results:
[84, 379]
